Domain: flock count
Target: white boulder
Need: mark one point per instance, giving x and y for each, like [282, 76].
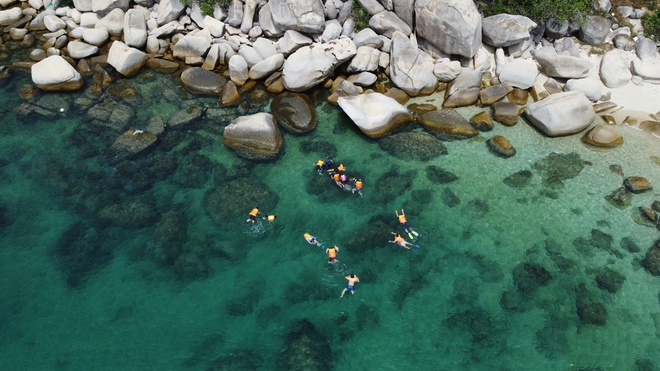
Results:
[55, 73]
[126, 60]
[79, 50]
[374, 114]
[561, 114]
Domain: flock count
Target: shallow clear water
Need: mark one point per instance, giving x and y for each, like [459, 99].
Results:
[440, 308]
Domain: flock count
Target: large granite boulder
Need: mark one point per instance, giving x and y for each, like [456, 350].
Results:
[595, 29]
[563, 66]
[266, 67]
[464, 90]
[375, 114]
[504, 30]
[298, 15]
[95, 36]
[292, 41]
[591, 87]
[505, 113]
[238, 69]
[520, 73]
[126, 60]
[135, 29]
[561, 114]
[446, 70]
[113, 22]
[311, 65]
[615, 69]
[200, 81]
[103, 7]
[447, 122]
[295, 112]
[453, 26]
[79, 50]
[55, 73]
[365, 59]
[411, 69]
[169, 10]
[387, 23]
[254, 137]
[191, 46]
[603, 136]
[53, 23]
[494, 93]
[10, 16]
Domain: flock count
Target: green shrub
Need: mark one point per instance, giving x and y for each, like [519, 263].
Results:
[651, 24]
[360, 16]
[538, 10]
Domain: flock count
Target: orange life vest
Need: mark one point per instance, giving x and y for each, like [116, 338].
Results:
[254, 212]
[358, 184]
[402, 219]
[332, 253]
[335, 177]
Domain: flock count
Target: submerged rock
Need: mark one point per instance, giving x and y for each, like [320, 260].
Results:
[603, 136]
[439, 175]
[295, 112]
[590, 311]
[226, 202]
[637, 184]
[393, 184]
[560, 166]
[651, 261]
[449, 198]
[518, 179]
[528, 277]
[80, 252]
[620, 198]
[413, 146]
[500, 146]
[130, 144]
[610, 280]
[169, 234]
[306, 349]
[482, 121]
[448, 122]
[129, 214]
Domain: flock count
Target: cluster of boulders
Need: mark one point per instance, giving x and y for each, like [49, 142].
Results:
[294, 45]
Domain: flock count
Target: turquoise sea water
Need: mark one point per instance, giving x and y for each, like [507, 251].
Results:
[81, 293]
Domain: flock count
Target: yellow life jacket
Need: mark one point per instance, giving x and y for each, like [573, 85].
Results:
[402, 219]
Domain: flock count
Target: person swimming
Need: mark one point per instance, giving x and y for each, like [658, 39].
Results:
[312, 240]
[253, 215]
[352, 279]
[337, 178]
[270, 218]
[357, 186]
[332, 254]
[320, 166]
[404, 223]
[399, 240]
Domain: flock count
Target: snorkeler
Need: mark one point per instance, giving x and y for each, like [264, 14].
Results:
[352, 279]
[327, 163]
[337, 178]
[332, 254]
[312, 240]
[399, 240]
[404, 223]
[357, 186]
[253, 215]
[320, 166]
[270, 218]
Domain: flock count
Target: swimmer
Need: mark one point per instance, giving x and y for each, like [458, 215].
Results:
[332, 254]
[405, 225]
[337, 178]
[352, 279]
[327, 163]
[399, 240]
[357, 186]
[253, 215]
[270, 218]
[312, 240]
[341, 168]
[319, 166]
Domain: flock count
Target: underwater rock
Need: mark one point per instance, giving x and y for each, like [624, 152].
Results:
[237, 360]
[295, 112]
[528, 277]
[130, 144]
[418, 200]
[560, 166]
[376, 234]
[447, 122]
[440, 175]
[476, 209]
[648, 215]
[518, 179]
[620, 198]
[169, 234]
[306, 349]
[616, 169]
[227, 202]
[190, 266]
[513, 300]
[124, 90]
[131, 177]
[637, 184]
[254, 137]
[610, 280]
[319, 146]
[651, 261]
[449, 198]
[366, 317]
[26, 91]
[111, 114]
[500, 146]
[80, 252]
[603, 136]
[477, 322]
[413, 146]
[230, 96]
[628, 244]
[393, 184]
[156, 126]
[194, 172]
[590, 311]
[419, 108]
[505, 113]
[482, 121]
[28, 111]
[129, 214]
[163, 165]
[185, 117]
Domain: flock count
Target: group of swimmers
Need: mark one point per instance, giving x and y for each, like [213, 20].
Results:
[333, 250]
[254, 213]
[338, 175]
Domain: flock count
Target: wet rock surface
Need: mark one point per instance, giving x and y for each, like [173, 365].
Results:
[295, 112]
[413, 146]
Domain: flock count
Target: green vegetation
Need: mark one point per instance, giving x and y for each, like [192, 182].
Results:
[206, 6]
[651, 24]
[360, 16]
[538, 10]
